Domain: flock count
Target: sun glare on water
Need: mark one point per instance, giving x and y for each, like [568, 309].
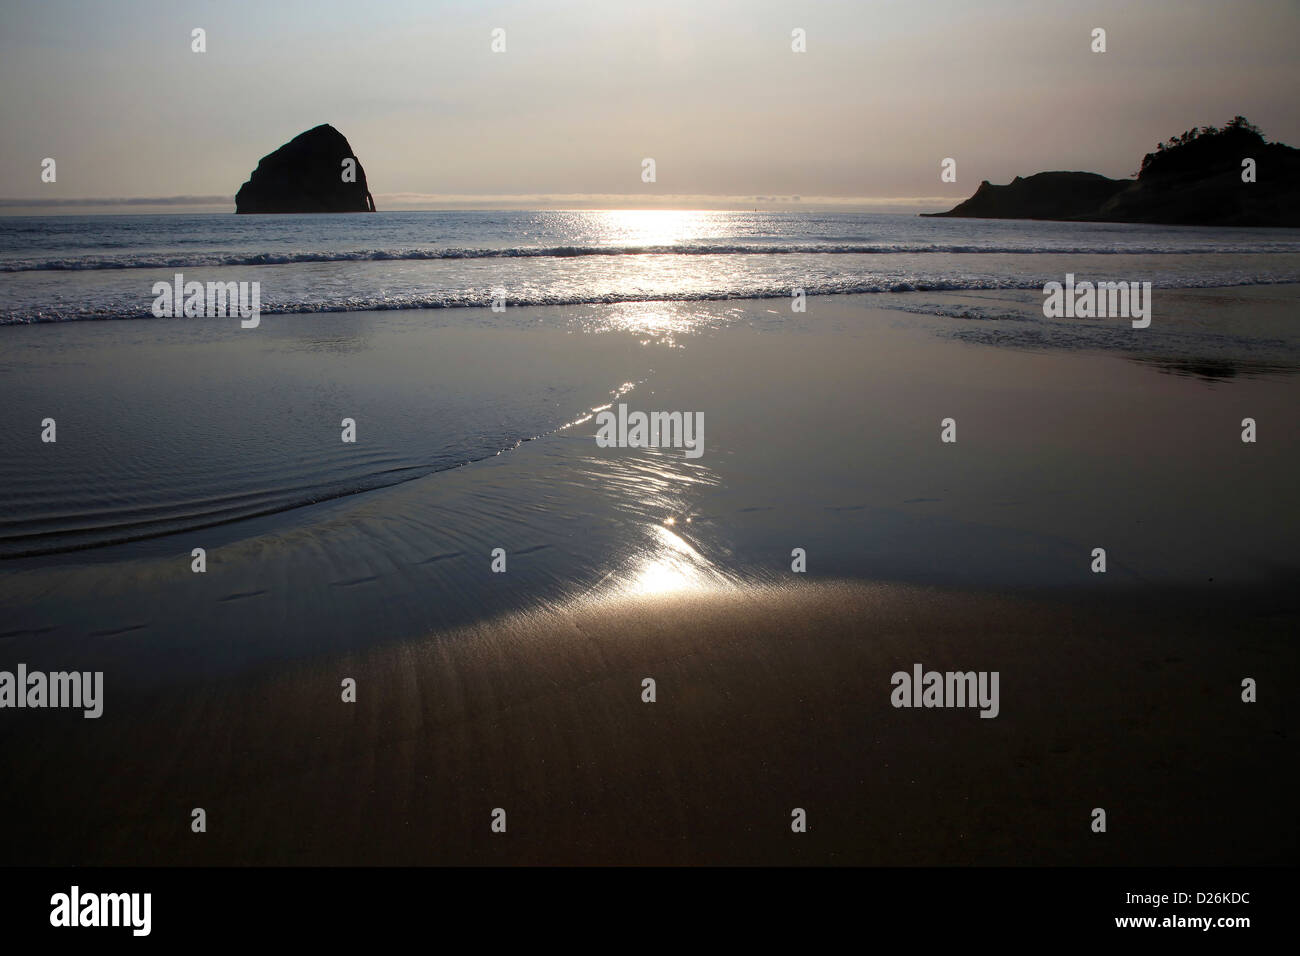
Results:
[669, 566]
[655, 227]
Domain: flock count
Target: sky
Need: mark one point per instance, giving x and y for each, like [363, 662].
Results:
[585, 90]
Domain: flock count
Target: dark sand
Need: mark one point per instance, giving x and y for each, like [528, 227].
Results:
[768, 700]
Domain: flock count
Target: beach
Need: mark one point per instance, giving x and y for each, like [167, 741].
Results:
[851, 448]
[522, 689]
[767, 701]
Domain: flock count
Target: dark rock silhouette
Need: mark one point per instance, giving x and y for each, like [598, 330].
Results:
[306, 175]
[1193, 179]
[1041, 196]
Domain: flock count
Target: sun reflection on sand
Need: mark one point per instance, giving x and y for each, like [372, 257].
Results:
[670, 565]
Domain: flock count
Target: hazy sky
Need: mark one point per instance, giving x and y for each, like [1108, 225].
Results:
[586, 89]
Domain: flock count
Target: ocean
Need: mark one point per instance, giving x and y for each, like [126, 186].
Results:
[102, 267]
[173, 425]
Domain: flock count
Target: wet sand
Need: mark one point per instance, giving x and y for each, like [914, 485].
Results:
[768, 700]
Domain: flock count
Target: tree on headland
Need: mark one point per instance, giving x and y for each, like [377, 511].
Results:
[1203, 147]
[1240, 122]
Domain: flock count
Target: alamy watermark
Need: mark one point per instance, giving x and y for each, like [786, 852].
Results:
[75, 908]
[36, 689]
[946, 689]
[623, 429]
[1084, 300]
[216, 300]
[56, 690]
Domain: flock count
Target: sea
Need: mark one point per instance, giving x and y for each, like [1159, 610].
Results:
[169, 426]
[70, 268]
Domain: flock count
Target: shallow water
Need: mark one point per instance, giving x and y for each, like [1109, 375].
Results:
[821, 434]
[174, 426]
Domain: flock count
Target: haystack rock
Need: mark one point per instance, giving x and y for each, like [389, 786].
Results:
[307, 174]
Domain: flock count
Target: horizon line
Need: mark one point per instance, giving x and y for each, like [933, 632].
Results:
[415, 202]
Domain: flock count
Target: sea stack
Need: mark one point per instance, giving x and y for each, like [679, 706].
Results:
[307, 174]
